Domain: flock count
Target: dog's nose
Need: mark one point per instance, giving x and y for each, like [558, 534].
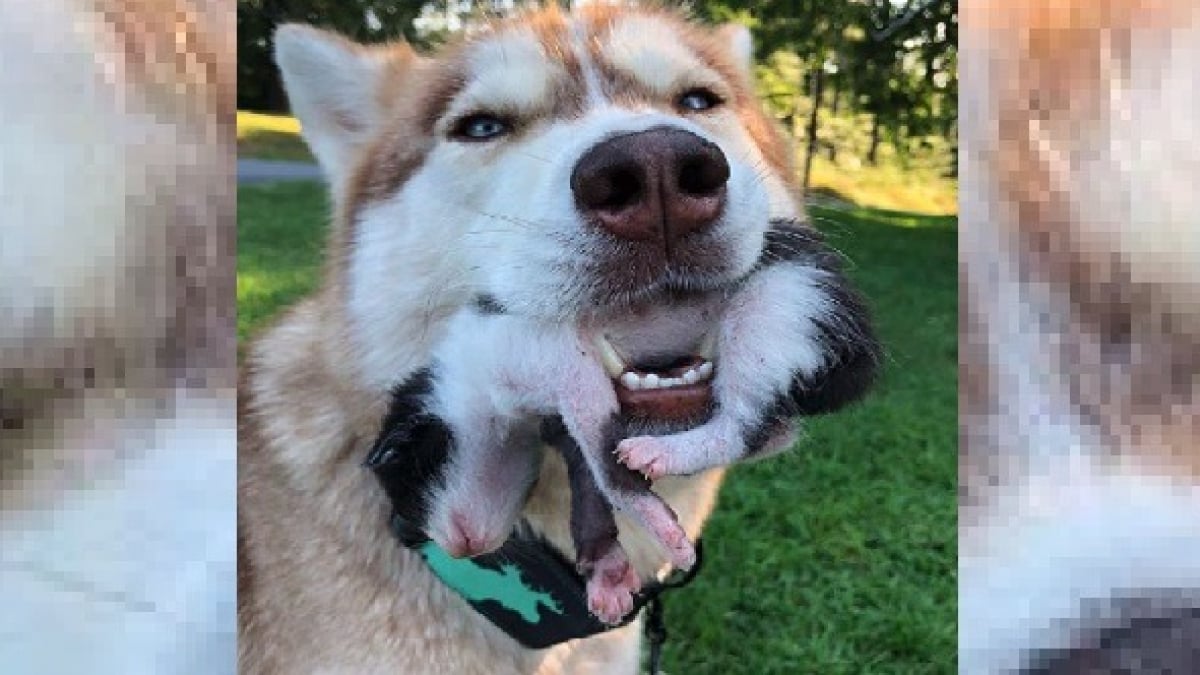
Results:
[662, 183]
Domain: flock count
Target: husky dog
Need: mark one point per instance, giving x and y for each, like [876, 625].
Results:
[581, 169]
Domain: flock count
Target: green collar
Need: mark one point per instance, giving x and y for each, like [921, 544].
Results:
[526, 587]
[476, 582]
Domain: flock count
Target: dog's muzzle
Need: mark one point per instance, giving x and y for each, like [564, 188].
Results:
[656, 186]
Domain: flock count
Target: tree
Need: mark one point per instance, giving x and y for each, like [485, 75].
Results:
[861, 74]
[259, 87]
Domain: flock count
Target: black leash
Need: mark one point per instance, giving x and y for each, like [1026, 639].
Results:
[656, 625]
[656, 632]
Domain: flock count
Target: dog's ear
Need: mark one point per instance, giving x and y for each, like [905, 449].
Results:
[740, 46]
[334, 86]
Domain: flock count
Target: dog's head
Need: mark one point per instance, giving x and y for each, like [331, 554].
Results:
[561, 165]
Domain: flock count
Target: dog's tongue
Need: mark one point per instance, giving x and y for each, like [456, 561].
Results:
[687, 402]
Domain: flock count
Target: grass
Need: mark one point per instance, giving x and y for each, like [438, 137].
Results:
[280, 240]
[264, 136]
[838, 557]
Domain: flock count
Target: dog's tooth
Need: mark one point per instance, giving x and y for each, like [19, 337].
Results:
[631, 381]
[651, 381]
[613, 364]
[674, 382]
[705, 370]
[691, 377]
[708, 346]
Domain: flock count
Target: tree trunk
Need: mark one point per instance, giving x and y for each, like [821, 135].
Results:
[836, 93]
[811, 151]
[872, 154]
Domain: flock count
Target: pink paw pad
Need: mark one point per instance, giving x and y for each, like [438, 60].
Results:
[646, 455]
[610, 588]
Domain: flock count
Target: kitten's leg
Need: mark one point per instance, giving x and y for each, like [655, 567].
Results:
[794, 340]
[588, 405]
[611, 579]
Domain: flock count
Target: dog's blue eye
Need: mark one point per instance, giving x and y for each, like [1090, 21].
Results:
[480, 127]
[698, 100]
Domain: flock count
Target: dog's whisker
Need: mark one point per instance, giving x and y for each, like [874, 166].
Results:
[526, 153]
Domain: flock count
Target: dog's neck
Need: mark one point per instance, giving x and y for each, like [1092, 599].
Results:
[308, 424]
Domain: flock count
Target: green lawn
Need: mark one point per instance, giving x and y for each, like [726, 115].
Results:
[280, 241]
[838, 557]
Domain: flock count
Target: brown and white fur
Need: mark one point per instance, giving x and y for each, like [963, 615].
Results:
[424, 222]
[1080, 362]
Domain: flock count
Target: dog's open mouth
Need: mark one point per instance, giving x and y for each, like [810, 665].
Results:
[663, 388]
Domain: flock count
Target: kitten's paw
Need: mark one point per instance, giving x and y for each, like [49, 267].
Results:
[648, 455]
[611, 586]
[657, 517]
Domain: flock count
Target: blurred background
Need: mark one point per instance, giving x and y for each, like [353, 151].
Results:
[868, 88]
[1079, 518]
[117, 441]
[838, 557]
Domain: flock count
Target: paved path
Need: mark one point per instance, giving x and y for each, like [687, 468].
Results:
[263, 170]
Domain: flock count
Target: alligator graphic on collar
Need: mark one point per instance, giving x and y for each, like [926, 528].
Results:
[476, 583]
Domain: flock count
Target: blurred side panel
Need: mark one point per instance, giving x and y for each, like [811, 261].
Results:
[1079, 541]
[117, 336]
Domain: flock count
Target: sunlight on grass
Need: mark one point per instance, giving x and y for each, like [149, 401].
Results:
[252, 122]
[258, 286]
[888, 217]
[264, 136]
[885, 187]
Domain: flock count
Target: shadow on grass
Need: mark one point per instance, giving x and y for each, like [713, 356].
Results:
[264, 144]
[820, 193]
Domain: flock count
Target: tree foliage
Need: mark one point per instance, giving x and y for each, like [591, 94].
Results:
[846, 76]
[885, 71]
[259, 87]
